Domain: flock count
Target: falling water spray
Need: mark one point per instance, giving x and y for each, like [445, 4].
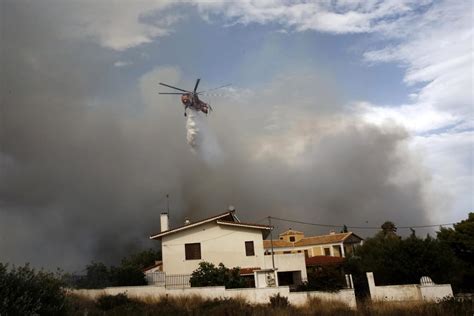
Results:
[201, 138]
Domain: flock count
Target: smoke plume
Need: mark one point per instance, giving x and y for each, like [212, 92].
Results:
[87, 156]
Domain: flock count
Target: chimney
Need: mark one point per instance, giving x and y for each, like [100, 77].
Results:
[231, 208]
[187, 221]
[332, 232]
[164, 221]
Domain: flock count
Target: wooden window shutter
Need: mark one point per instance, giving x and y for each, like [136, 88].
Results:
[192, 251]
[249, 249]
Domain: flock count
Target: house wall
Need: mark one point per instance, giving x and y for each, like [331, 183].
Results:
[298, 237]
[265, 279]
[408, 292]
[317, 251]
[253, 296]
[287, 262]
[313, 250]
[219, 243]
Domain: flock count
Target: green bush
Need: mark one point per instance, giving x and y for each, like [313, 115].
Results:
[209, 275]
[25, 291]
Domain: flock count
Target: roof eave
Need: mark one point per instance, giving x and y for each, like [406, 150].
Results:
[181, 228]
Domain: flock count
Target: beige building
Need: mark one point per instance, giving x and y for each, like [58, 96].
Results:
[333, 244]
[225, 239]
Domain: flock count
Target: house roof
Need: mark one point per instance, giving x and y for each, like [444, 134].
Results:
[227, 218]
[157, 264]
[248, 271]
[323, 260]
[250, 225]
[308, 241]
[291, 232]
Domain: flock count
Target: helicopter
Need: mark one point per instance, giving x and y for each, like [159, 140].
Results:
[190, 99]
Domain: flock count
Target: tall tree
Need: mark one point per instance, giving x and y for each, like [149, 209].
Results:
[404, 261]
[461, 241]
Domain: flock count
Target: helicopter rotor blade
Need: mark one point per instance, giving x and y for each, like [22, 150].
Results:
[213, 94]
[220, 87]
[167, 85]
[170, 93]
[196, 86]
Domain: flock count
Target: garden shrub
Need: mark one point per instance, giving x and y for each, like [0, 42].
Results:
[209, 275]
[26, 291]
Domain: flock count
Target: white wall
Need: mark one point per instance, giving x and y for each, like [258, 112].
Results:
[265, 278]
[287, 262]
[345, 296]
[436, 292]
[219, 243]
[253, 296]
[408, 292]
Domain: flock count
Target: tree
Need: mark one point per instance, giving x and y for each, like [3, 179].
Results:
[404, 261]
[207, 274]
[26, 291]
[389, 230]
[127, 276]
[328, 279]
[129, 273]
[461, 241]
[142, 259]
[97, 277]
[461, 238]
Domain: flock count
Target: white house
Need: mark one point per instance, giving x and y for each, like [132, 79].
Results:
[225, 239]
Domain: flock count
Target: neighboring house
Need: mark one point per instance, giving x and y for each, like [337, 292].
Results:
[225, 239]
[333, 244]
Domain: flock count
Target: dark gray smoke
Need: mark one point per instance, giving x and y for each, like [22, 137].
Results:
[84, 168]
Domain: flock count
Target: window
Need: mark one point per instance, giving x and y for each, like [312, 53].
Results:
[327, 252]
[193, 251]
[249, 249]
[286, 252]
[292, 238]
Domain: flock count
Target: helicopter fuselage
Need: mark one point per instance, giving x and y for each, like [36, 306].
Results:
[191, 100]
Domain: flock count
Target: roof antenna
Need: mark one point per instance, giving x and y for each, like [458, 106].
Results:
[168, 203]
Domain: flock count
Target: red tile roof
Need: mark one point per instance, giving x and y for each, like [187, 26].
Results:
[157, 264]
[247, 271]
[323, 261]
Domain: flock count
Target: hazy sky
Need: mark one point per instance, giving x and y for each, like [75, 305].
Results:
[343, 112]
